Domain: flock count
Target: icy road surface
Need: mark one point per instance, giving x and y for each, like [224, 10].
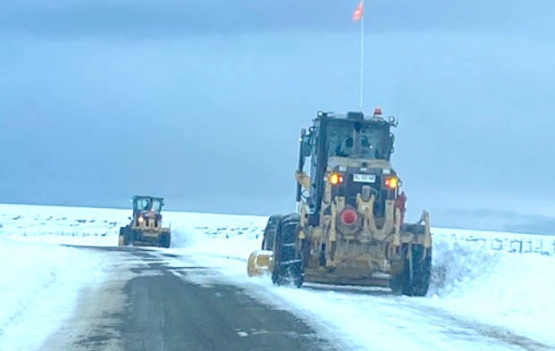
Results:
[483, 296]
[148, 303]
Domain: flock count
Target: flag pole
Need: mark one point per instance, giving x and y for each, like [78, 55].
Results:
[358, 15]
[362, 58]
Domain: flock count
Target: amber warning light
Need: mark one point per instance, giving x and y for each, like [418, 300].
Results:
[336, 178]
[392, 182]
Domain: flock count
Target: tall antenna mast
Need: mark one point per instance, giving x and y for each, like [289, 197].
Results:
[358, 15]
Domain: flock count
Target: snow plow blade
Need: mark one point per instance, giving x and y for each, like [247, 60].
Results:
[259, 263]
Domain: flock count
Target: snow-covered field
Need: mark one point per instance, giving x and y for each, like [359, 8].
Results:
[480, 278]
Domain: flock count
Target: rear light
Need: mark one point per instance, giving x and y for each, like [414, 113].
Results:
[335, 178]
[392, 182]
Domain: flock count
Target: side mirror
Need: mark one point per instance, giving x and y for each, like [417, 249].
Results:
[391, 143]
[306, 148]
[393, 121]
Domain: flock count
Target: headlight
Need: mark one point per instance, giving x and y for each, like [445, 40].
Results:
[141, 219]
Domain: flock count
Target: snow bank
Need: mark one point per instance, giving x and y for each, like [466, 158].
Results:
[495, 286]
[39, 284]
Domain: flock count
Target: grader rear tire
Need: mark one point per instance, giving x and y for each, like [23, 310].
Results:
[165, 240]
[126, 236]
[414, 279]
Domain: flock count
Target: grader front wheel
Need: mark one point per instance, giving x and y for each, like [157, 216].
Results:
[288, 267]
[270, 232]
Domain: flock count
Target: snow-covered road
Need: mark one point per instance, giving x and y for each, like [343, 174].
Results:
[483, 296]
[373, 319]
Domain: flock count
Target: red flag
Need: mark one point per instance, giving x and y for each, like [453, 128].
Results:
[359, 12]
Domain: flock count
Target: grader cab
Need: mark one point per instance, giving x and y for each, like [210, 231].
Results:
[349, 227]
[145, 227]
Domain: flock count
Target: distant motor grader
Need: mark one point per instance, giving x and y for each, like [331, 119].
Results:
[145, 227]
[349, 225]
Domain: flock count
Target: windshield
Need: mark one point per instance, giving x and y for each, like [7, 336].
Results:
[374, 141]
[157, 205]
[144, 204]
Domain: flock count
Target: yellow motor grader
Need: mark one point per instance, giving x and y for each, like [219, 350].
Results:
[349, 227]
[145, 227]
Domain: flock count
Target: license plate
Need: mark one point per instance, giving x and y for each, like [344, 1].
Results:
[364, 178]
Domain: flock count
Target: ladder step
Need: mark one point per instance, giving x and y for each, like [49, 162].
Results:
[289, 262]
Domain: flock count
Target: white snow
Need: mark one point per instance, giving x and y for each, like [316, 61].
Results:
[481, 280]
[39, 284]
[495, 286]
[63, 225]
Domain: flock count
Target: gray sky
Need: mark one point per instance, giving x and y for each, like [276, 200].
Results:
[202, 101]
